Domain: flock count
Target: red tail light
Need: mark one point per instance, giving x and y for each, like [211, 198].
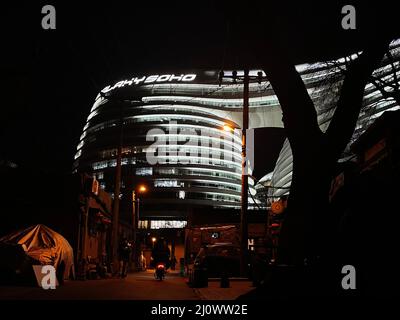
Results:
[160, 266]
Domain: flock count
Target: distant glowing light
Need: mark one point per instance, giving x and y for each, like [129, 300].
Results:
[228, 128]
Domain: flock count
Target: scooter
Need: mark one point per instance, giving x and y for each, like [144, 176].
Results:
[159, 273]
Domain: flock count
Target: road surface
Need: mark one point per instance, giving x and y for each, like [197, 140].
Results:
[137, 286]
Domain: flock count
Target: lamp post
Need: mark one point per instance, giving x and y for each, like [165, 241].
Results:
[243, 230]
[135, 222]
[117, 190]
[245, 184]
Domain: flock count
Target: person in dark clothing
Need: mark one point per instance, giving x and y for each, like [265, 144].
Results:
[124, 252]
[60, 273]
[161, 254]
[173, 262]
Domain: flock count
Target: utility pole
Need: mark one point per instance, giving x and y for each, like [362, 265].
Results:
[244, 234]
[135, 220]
[117, 189]
[137, 237]
[245, 181]
[135, 224]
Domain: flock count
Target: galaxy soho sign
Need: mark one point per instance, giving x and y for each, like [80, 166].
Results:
[151, 79]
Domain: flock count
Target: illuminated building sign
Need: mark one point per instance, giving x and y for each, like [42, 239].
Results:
[162, 224]
[151, 79]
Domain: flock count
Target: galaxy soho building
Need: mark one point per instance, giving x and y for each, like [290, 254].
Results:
[171, 128]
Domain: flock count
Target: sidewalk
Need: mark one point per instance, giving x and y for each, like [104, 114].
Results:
[214, 292]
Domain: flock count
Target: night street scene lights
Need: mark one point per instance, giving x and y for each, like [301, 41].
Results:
[300, 221]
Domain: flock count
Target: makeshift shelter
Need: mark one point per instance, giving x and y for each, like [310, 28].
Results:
[41, 245]
[16, 265]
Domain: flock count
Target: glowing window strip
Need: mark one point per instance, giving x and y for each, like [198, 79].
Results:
[83, 135]
[178, 116]
[92, 114]
[222, 194]
[211, 88]
[219, 101]
[239, 175]
[373, 94]
[182, 148]
[216, 161]
[78, 154]
[100, 101]
[205, 110]
[80, 145]
[112, 163]
[237, 184]
[220, 131]
[102, 126]
[218, 182]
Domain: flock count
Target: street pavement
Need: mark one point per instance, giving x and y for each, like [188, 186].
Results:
[215, 292]
[137, 286]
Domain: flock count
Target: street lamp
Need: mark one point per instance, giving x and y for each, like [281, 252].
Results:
[228, 128]
[135, 217]
[140, 190]
[153, 240]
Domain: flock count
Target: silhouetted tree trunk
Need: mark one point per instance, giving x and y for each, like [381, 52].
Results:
[306, 230]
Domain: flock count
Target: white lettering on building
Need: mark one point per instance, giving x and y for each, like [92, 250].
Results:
[150, 79]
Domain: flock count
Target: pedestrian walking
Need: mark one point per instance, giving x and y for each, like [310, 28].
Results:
[124, 252]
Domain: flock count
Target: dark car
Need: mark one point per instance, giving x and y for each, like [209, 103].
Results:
[218, 260]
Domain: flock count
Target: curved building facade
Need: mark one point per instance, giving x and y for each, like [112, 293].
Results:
[171, 129]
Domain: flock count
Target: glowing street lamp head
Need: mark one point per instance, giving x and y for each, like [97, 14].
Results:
[142, 188]
[154, 239]
[228, 128]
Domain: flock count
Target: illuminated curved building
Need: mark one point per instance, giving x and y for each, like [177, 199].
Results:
[173, 141]
[323, 81]
[170, 127]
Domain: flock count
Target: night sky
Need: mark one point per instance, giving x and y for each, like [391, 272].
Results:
[49, 78]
